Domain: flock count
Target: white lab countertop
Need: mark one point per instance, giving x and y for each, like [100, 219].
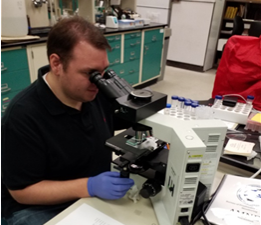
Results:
[140, 213]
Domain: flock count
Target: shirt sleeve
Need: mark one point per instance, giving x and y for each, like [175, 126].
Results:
[23, 152]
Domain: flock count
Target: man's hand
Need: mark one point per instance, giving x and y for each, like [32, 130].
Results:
[109, 185]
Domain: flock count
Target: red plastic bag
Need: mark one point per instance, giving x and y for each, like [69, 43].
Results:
[239, 71]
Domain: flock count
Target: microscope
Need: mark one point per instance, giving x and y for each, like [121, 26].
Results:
[171, 156]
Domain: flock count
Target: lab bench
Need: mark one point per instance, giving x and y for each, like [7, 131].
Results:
[136, 55]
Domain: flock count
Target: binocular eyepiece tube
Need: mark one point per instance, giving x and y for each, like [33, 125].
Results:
[111, 84]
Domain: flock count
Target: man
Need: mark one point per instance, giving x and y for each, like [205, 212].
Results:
[54, 131]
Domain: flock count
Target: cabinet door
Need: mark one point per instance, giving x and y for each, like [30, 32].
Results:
[37, 57]
[14, 74]
[152, 54]
[114, 56]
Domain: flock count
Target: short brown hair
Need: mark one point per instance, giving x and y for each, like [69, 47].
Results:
[66, 33]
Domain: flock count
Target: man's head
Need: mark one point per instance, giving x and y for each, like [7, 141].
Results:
[68, 32]
[75, 49]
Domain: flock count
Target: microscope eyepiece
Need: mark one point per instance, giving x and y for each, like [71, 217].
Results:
[95, 77]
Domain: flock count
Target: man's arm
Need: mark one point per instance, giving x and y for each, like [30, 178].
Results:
[51, 192]
[107, 185]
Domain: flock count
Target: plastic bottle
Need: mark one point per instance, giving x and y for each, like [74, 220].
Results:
[193, 110]
[250, 99]
[180, 103]
[187, 107]
[167, 109]
[174, 101]
[217, 101]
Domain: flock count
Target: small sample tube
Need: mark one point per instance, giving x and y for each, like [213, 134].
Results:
[250, 99]
[218, 101]
[174, 101]
[167, 109]
[180, 102]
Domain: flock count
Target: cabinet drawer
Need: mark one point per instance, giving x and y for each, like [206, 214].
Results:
[132, 79]
[114, 57]
[131, 54]
[133, 35]
[14, 81]
[13, 60]
[153, 36]
[132, 43]
[128, 68]
[113, 38]
[6, 99]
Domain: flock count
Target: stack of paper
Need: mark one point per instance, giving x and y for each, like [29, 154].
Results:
[235, 147]
[237, 201]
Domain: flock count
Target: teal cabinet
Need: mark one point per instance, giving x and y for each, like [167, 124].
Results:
[14, 74]
[127, 48]
[152, 54]
[114, 55]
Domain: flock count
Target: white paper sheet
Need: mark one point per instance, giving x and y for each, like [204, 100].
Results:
[87, 215]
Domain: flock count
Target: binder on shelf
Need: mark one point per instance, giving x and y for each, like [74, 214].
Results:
[237, 200]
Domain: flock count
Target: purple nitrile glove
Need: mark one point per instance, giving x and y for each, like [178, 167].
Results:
[109, 185]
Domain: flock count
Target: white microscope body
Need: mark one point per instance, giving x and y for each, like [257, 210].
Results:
[195, 149]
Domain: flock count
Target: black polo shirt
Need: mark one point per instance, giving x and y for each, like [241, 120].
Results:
[43, 139]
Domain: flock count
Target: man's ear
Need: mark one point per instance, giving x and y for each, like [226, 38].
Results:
[55, 64]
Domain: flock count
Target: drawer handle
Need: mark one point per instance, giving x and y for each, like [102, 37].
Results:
[5, 88]
[131, 71]
[111, 39]
[116, 61]
[132, 44]
[146, 48]
[132, 58]
[4, 106]
[3, 68]
[122, 71]
[117, 46]
[133, 35]
[117, 38]
[4, 91]
[132, 53]
[111, 64]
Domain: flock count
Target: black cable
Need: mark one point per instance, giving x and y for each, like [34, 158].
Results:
[203, 212]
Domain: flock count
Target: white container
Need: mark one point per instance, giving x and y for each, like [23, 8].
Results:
[126, 23]
[14, 21]
[115, 2]
[112, 22]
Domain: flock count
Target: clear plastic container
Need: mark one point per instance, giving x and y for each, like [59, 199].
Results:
[187, 107]
[193, 109]
[254, 122]
[217, 101]
[167, 109]
[180, 102]
[250, 99]
[174, 101]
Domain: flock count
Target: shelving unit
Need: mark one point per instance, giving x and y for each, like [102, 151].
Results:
[249, 10]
